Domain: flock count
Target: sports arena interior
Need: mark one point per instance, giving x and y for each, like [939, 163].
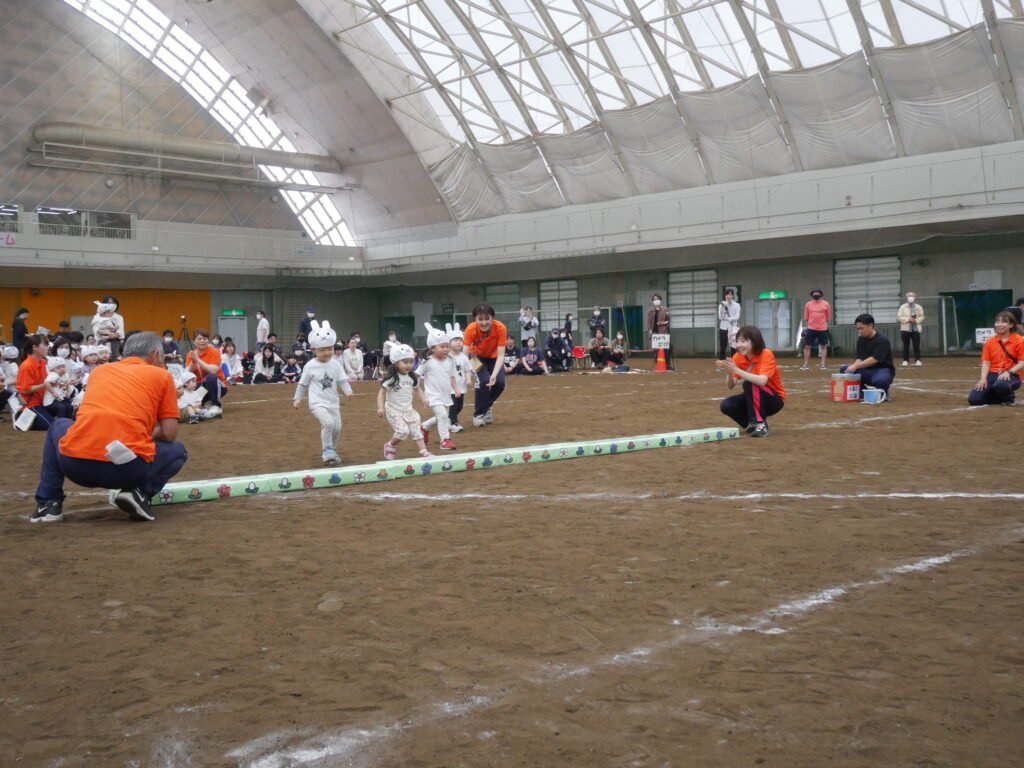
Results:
[845, 591]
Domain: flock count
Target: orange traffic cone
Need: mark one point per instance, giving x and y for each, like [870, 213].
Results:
[661, 366]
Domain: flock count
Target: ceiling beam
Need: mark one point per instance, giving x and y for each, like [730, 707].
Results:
[876, 74]
[1006, 83]
[762, 66]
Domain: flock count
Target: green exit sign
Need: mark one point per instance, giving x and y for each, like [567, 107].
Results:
[772, 295]
[232, 313]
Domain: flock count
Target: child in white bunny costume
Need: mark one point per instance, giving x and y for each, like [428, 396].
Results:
[439, 384]
[107, 325]
[320, 380]
[464, 376]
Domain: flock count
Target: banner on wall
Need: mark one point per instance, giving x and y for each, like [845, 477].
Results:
[8, 239]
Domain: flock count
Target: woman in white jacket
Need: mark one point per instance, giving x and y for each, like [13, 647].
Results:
[911, 318]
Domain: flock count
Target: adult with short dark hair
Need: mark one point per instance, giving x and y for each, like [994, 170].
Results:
[817, 316]
[659, 322]
[596, 321]
[306, 326]
[33, 382]
[206, 363]
[599, 349]
[172, 353]
[123, 438]
[911, 318]
[728, 323]
[558, 351]
[485, 338]
[763, 393]
[1002, 359]
[874, 357]
[19, 328]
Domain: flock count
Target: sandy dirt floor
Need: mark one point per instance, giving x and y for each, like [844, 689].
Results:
[841, 593]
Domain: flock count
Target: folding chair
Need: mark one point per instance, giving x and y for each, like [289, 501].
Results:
[579, 357]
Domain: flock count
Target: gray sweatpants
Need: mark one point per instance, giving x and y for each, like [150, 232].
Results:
[330, 426]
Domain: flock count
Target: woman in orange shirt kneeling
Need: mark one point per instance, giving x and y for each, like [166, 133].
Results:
[763, 393]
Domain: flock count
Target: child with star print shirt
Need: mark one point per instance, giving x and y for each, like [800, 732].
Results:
[320, 381]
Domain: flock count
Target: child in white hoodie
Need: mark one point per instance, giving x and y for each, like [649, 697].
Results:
[320, 380]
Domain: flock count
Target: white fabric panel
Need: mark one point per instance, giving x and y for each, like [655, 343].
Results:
[583, 164]
[655, 147]
[835, 114]
[739, 134]
[945, 93]
[521, 176]
[1011, 32]
[463, 181]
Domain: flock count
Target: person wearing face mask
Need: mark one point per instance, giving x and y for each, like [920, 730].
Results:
[817, 316]
[262, 330]
[558, 351]
[596, 322]
[172, 353]
[306, 326]
[61, 348]
[385, 353]
[658, 321]
[619, 349]
[528, 324]
[911, 317]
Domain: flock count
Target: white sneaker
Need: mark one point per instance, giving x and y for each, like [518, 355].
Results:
[823, 367]
[214, 411]
[918, 364]
[478, 421]
[488, 417]
[457, 428]
[805, 367]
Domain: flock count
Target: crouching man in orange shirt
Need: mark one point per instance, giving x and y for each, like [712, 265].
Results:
[123, 438]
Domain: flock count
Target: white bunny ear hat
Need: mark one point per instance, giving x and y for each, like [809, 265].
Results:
[101, 307]
[322, 335]
[435, 336]
[401, 352]
[454, 332]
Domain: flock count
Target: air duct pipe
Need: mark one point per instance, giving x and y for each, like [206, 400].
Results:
[87, 136]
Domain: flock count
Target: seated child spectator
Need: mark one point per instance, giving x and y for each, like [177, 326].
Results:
[511, 361]
[531, 359]
[267, 368]
[172, 353]
[60, 392]
[233, 361]
[190, 399]
[292, 371]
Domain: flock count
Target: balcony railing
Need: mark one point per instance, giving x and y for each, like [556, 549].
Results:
[77, 230]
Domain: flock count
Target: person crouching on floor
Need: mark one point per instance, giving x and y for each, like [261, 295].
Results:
[320, 380]
[874, 357]
[206, 362]
[1002, 359]
[763, 393]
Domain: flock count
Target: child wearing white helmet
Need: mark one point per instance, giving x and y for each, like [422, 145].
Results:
[8, 375]
[321, 379]
[394, 400]
[438, 373]
[464, 376]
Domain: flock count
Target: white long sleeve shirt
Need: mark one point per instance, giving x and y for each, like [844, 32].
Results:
[728, 315]
[352, 363]
[320, 382]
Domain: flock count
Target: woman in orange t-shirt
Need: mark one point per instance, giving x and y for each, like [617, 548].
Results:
[32, 384]
[485, 338]
[763, 393]
[1002, 359]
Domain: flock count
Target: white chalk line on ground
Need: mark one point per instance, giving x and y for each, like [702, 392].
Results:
[359, 746]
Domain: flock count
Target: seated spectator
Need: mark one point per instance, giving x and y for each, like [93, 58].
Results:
[1002, 359]
[61, 347]
[205, 362]
[596, 322]
[600, 349]
[8, 376]
[532, 359]
[216, 341]
[60, 393]
[511, 358]
[172, 353]
[190, 410]
[874, 357]
[32, 382]
[90, 340]
[352, 360]
[267, 369]
[619, 350]
[292, 371]
[235, 374]
[558, 351]
[300, 349]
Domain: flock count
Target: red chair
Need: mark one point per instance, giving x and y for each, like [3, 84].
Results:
[579, 356]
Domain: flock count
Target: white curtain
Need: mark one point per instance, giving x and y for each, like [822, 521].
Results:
[583, 163]
[655, 146]
[521, 176]
[463, 181]
[738, 130]
[1011, 32]
[945, 93]
[835, 114]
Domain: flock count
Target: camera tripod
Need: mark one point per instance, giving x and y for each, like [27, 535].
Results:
[184, 336]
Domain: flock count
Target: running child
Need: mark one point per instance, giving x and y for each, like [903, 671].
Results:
[394, 400]
[439, 384]
[320, 379]
[464, 380]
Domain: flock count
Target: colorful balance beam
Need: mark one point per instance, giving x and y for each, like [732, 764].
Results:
[335, 477]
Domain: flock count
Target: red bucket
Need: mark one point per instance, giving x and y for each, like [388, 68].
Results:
[846, 387]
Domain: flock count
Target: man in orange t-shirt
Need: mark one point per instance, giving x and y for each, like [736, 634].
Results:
[123, 438]
[485, 339]
[763, 393]
[206, 363]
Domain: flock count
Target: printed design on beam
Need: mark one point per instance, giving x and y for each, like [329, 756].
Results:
[312, 479]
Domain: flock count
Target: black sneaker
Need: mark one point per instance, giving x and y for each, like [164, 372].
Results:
[750, 428]
[48, 512]
[760, 429]
[135, 504]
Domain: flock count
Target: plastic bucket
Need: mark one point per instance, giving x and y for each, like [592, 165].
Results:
[845, 387]
[872, 396]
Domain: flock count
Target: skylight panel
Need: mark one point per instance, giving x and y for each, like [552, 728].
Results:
[877, 25]
[635, 61]
[148, 14]
[177, 36]
[200, 89]
[716, 34]
[919, 27]
[138, 38]
[170, 63]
